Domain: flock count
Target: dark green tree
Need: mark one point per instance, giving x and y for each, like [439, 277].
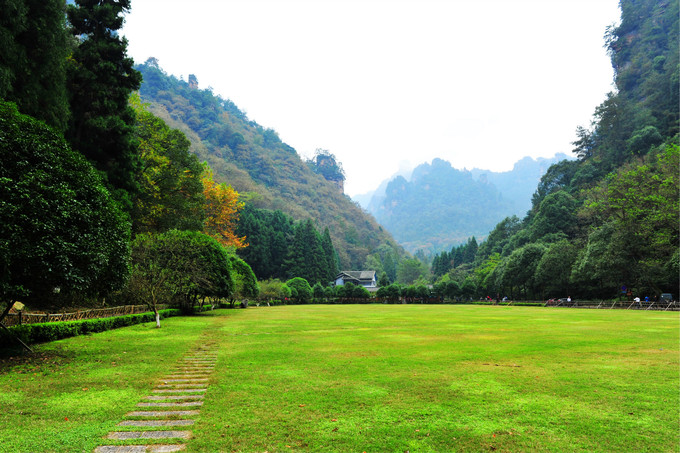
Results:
[318, 291]
[605, 263]
[269, 234]
[520, 269]
[390, 261]
[499, 237]
[453, 290]
[470, 250]
[345, 291]
[556, 214]
[361, 293]
[35, 46]
[558, 177]
[330, 255]
[245, 282]
[468, 288]
[100, 79]
[61, 235]
[554, 269]
[411, 270]
[306, 257]
[303, 292]
[195, 264]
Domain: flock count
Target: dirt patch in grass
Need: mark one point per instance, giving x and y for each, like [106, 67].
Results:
[27, 362]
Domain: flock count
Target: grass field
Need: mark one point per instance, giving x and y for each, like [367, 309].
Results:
[368, 378]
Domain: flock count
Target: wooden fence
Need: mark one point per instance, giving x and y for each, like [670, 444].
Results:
[15, 319]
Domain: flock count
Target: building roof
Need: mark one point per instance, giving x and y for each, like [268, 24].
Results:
[357, 275]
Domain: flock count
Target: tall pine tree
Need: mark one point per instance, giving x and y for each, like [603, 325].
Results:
[33, 52]
[331, 256]
[306, 257]
[100, 80]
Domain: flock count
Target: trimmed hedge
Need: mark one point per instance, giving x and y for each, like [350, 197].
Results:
[51, 331]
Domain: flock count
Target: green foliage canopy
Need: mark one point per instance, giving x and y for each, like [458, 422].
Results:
[61, 234]
[35, 46]
[301, 291]
[187, 265]
[100, 79]
[169, 179]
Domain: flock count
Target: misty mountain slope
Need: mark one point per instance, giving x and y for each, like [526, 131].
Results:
[267, 173]
[519, 184]
[440, 206]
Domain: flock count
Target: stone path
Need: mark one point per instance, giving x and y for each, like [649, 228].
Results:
[178, 394]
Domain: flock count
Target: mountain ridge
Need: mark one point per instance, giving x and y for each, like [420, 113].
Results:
[268, 173]
[449, 199]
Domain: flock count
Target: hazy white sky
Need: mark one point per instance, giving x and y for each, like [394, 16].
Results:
[480, 83]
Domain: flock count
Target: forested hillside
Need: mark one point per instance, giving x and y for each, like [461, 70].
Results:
[605, 224]
[445, 206]
[266, 172]
[440, 206]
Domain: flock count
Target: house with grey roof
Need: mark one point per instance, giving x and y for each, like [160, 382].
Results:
[366, 279]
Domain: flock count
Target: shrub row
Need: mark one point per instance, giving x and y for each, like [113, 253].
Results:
[275, 302]
[51, 331]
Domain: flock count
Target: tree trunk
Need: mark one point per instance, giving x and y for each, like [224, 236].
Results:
[158, 317]
[10, 304]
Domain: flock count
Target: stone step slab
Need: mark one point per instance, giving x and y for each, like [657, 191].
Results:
[196, 380]
[186, 376]
[139, 448]
[189, 404]
[153, 423]
[174, 397]
[161, 413]
[200, 390]
[180, 386]
[202, 369]
[125, 435]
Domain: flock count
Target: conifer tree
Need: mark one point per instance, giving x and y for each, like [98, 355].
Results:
[315, 258]
[306, 257]
[100, 79]
[295, 260]
[34, 48]
[331, 256]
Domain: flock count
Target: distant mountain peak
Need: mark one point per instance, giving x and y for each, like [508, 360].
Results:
[445, 205]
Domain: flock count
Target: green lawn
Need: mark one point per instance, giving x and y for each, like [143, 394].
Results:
[371, 378]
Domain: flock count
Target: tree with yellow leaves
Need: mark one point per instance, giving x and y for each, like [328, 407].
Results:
[222, 210]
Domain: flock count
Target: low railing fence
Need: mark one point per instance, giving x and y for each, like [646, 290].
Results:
[18, 318]
[663, 305]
